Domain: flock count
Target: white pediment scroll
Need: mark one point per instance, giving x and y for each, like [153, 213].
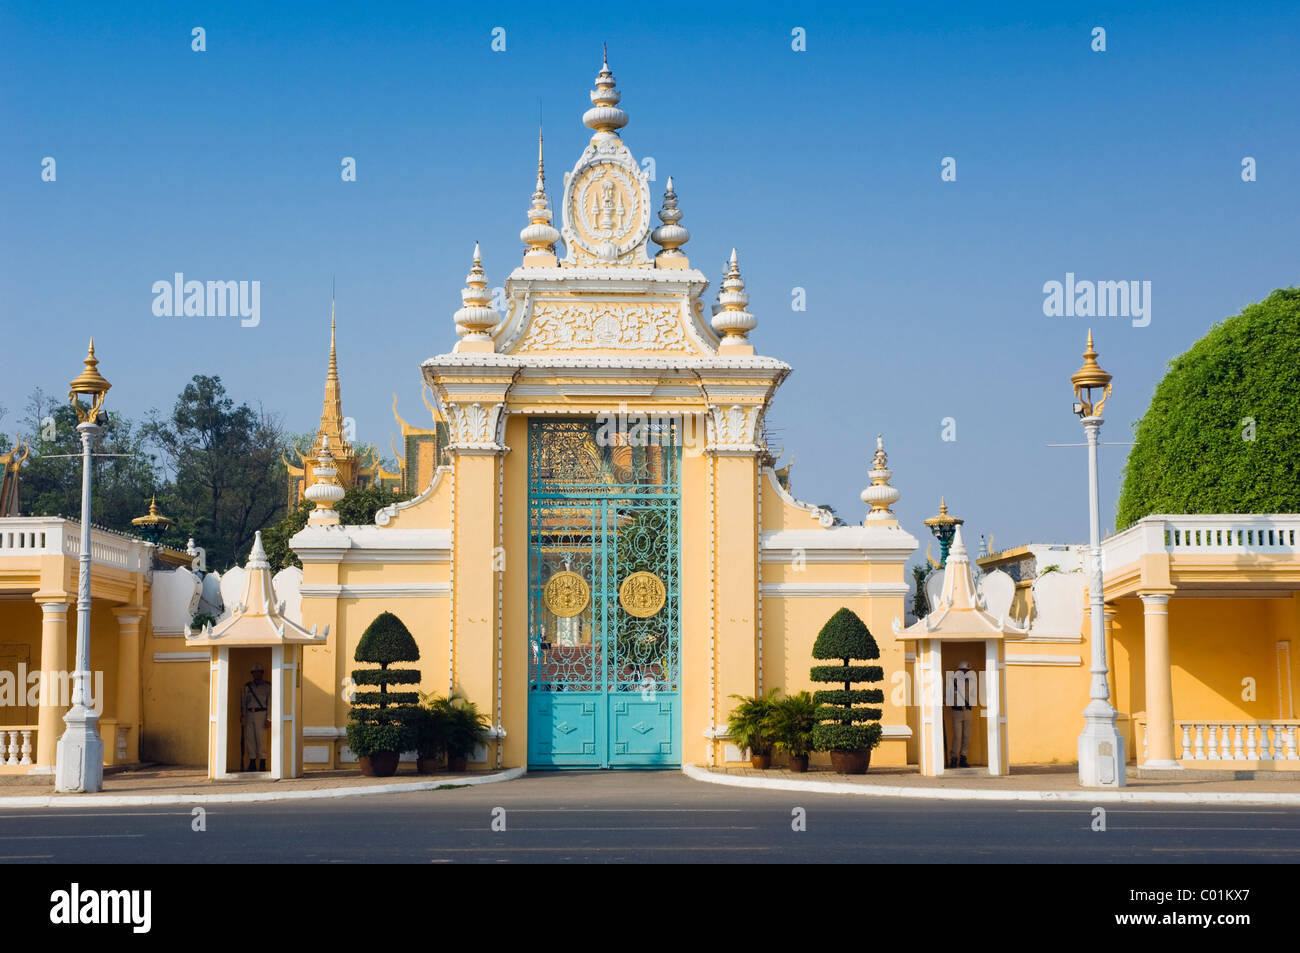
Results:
[174, 596]
[1058, 604]
[998, 590]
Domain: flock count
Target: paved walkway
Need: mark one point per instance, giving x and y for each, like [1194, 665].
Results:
[1044, 782]
[159, 784]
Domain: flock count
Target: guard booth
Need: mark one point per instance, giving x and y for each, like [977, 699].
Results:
[255, 632]
[961, 629]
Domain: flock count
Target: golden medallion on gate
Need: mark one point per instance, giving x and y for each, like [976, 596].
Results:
[566, 594]
[642, 594]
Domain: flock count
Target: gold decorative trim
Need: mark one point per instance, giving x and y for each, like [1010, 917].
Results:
[642, 594]
[566, 594]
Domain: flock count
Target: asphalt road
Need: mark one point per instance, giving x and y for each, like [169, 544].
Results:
[646, 817]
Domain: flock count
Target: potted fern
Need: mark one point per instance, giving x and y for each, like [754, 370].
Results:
[791, 723]
[430, 724]
[465, 729]
[749, 726]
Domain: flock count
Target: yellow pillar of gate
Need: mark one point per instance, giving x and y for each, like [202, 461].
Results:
[471, 669]
[735, 575]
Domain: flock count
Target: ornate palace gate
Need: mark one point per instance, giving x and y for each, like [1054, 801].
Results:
[603, 578]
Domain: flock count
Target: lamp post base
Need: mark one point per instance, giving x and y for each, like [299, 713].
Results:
[79, 767]
[1101, 749]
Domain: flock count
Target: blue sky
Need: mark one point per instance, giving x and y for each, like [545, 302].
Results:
[822, 167]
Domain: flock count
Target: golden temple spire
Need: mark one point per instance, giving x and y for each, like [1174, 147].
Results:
[331, 416]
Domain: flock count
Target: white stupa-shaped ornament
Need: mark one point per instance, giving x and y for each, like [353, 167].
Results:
[880, 496]
[731, 320]
[325, 491]
[604, 116]
[539, 236]
[671, 235]
[477, 317]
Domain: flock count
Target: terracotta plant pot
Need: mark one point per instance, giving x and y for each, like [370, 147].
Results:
[381, 764]
[851, 762]
[428, 765]
[761, 761]
[457, 763]
[798, 763]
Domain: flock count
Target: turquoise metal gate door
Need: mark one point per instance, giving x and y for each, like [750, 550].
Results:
[603, 607]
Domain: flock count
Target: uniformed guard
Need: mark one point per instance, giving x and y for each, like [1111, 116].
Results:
[960, 715]
[253, 708]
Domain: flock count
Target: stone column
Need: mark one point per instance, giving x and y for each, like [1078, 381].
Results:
[127, 708]
[1159, 682]
[1108, 615]
[54, 666]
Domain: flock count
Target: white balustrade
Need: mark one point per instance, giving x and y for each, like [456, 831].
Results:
[1210, 533]
[54, 536]
[16, 745]
[1269, 740]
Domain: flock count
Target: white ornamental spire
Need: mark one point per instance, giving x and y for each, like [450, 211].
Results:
[604, 116]
[880, 495]
[324, 491]
[671, 236]
[477, 317]
[730, 319]
[540, 235]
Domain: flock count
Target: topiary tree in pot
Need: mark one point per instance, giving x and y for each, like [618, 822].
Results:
[382, 724]
[844, 728]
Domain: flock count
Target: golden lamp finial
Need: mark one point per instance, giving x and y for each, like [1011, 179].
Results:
[91, 383]
[1091, 384]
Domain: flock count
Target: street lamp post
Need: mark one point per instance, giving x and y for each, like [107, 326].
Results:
[80, 752]
[1101, 746]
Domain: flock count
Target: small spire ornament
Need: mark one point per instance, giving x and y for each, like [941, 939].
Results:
[880, 496]
[540, 236]
[477, 318]
[670, 235]
[604, 116]
[325, 491]
[730, 319]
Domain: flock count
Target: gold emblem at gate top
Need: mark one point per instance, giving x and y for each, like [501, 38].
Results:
[566, 594]
[642, 594]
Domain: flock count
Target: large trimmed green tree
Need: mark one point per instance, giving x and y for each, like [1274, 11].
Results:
[845, 723]
[1222, 434]
[383, 720]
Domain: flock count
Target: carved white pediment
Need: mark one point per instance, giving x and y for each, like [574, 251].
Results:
[640, 327]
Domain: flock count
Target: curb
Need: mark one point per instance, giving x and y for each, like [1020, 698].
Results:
[145, 800]
[697, 773]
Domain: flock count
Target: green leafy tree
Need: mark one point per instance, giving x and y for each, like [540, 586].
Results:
[50, 481]
[920, 602]
[842, 724]
[227, 470]
[1222, 433]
